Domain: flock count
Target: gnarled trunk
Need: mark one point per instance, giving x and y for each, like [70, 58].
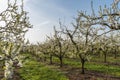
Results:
[61, 61]
[82, 67]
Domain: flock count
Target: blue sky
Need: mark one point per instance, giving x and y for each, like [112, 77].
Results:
[44, 14]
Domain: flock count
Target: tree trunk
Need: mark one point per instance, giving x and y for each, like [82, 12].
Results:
[51, 59]
[61, 61]
[105, 57]
[115, 56]
[83, 69]
[115, 53]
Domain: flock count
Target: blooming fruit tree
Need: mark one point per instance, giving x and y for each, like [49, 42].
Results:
[14, 25]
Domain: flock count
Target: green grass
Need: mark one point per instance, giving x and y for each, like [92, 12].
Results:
[109, 59]
[70, 62]
[100, 67]
[107, 69]
[34, 70]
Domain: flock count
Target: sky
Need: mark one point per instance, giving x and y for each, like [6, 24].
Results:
[44, 14]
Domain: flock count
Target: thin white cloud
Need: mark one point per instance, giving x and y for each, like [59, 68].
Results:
[43, 23]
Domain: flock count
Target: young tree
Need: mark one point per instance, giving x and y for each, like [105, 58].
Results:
[15, 26]
[44, 50]
[82, 37]
[59, 45]
[51, 50]
[104, 47]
